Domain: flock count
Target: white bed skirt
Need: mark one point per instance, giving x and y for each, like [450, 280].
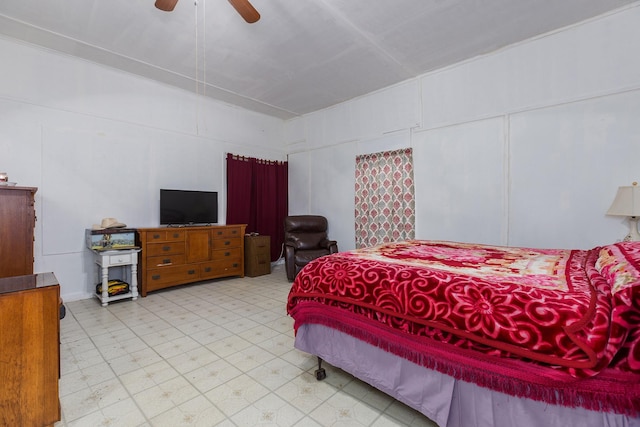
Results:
[443, 399]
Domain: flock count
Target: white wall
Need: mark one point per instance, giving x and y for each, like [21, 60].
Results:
[525, 146]
[100, 143]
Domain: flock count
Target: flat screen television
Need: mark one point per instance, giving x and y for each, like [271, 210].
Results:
[187, 207]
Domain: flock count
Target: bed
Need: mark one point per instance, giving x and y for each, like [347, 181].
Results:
[473, 334]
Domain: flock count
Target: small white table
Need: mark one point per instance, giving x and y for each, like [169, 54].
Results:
[117, 258]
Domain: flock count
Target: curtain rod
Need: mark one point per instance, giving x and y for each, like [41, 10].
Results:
[261, 161]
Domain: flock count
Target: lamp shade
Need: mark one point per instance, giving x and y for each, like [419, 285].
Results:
[627, 201]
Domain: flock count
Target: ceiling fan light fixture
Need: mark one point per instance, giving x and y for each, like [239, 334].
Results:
[246, 10]
[166, 5]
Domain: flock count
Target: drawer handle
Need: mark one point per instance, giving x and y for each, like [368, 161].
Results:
[166, 248]
[156, 236]
[207, 269]
[219, 233]
[191, 272]
[176, 235]
[155, 277]
[227, 242]
[234, 231]
[166, 261]
[235, 265]
[227, 254]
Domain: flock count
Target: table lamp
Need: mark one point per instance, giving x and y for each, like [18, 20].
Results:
[627, 203]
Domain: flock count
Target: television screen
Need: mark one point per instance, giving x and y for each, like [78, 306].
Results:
[184, 207]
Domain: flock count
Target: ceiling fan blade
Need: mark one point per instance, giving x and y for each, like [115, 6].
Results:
[245, 9]
[166, 5]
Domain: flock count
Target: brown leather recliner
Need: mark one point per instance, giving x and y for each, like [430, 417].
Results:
[305, 239]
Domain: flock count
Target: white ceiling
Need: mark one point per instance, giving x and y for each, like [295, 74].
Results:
[301, 56]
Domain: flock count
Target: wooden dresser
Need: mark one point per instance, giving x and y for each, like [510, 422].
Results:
[17, 222]
[29, 350]
[257, 255]
[175, 256]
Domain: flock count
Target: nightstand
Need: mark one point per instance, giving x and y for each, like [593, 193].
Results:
[257, 255]
[117, 258]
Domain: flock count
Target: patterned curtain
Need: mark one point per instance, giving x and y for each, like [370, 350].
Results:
[385, 202]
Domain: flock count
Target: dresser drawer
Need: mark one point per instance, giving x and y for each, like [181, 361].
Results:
[208, 269]
[172, 275]
[165, 260]
[225, 233]
[233, 254]
[164, 236]
[255, 244]
[258, 265]
[229, 242]
[259, 257]
[125, 259]
[213, 269]
[167, 248]
[228, 266]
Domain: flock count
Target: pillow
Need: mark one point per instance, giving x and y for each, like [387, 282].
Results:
[619, 264]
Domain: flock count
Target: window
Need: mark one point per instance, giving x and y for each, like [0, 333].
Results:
[384, 202]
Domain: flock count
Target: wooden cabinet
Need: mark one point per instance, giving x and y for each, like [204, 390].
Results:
[17, 222]
[257, 255]
[176, 256]
[30, 350]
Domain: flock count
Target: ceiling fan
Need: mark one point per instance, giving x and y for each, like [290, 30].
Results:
[243, 7]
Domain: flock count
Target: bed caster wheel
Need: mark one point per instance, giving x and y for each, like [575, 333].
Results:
[320, 372]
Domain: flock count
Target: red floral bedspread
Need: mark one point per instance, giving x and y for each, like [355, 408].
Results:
[560, 308]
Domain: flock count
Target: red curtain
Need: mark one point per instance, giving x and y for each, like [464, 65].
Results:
[257, 195]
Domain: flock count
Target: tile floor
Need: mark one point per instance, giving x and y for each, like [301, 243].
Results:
[213, 354]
